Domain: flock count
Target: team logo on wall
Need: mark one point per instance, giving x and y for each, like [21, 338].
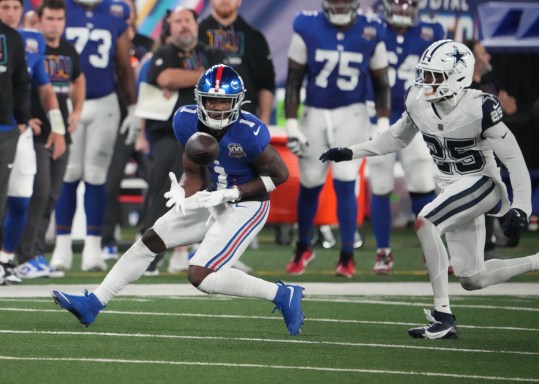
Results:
[235, 150]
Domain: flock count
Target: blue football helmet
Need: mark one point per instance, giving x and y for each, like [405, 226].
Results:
[340, 12]
[401, 13]
[219, 82]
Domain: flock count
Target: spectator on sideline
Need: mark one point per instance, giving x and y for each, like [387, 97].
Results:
[98, 29]
[406, 39]
[62, 63]
[339, 51]
[464, 130]
[14, 116]
[247, 51]
[247, 178]
[21, 180]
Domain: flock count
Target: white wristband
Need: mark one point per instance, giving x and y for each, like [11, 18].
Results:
[57, 121]
[268, 183]
[291, 124]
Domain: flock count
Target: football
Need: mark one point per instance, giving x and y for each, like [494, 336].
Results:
[202, 148]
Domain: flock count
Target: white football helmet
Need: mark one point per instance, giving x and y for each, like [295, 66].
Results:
[340, 12]
[444, 70]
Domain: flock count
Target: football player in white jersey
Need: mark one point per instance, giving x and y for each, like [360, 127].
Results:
[246, 170]
[406, 38]
[339, 52]
[463, 129]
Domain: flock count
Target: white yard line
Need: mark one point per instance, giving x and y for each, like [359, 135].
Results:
[311, 289]
[205, 364]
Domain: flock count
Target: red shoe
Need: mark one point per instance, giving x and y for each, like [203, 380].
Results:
[384, 263]
[346, 269]
[302, 257]
[346, 266]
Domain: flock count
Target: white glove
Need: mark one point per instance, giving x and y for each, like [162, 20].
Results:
[296, 138]
[206, 199]
[132, 125]
[176, 195]
[381, 126]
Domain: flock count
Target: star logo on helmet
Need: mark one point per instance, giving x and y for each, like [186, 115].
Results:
[458, 56]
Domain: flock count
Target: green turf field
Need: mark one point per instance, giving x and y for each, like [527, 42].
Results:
[345, 339]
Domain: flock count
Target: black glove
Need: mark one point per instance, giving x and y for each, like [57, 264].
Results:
[337, 154]
[514, 220]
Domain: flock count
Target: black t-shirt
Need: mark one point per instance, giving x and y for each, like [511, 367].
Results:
[14, 79]
[247, 52]
[170, 56]
[63, 66]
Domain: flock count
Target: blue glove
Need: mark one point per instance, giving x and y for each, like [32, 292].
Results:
[514, 220]
[337, 154]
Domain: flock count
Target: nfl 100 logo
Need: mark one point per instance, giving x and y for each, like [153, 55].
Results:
[235, 150]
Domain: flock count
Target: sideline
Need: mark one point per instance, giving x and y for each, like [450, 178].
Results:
[311, 289]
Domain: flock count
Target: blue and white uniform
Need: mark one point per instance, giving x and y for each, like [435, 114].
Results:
[231, 227]
[94, 32]
[338, 64]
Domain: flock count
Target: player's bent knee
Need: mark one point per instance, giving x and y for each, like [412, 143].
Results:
[95, 175]
[472, 283]
[197, 277]
[153, 241]
[72, 174]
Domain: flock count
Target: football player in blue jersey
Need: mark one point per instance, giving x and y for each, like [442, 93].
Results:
[21, 180]
[98, 29]
[463, 129]
[246, 170]
[406, 39]
[339, 51]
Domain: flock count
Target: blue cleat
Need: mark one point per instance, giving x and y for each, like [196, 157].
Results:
[85, 308]
[288, 302]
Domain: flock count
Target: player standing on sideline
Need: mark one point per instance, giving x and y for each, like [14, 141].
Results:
[24, 167]
[99, 32]
[247, 169]
[463, 129]
[62, 64]
[339, 51]
[14, 115]
[406, 39]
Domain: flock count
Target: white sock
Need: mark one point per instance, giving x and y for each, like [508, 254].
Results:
[437, 263]
[62, 255]
[6, 257]
[233, 282]
[127, 269]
